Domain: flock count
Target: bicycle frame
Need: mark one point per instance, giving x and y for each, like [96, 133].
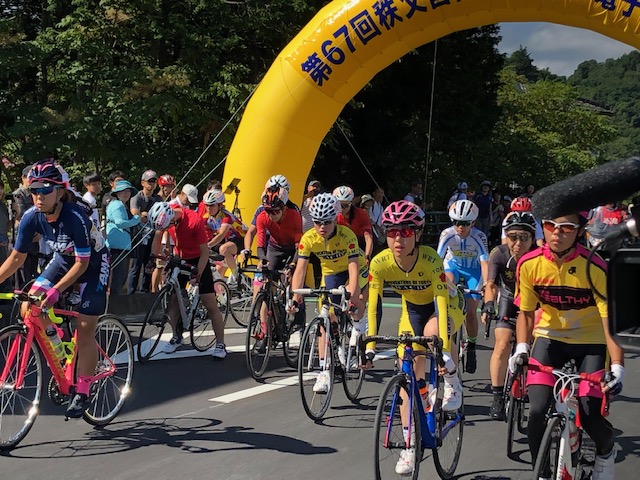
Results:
[35, 330]
[185, 315]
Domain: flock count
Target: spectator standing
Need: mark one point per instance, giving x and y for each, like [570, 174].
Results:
[483, 199]
[112, 179]
[4, 237]
[22, 202]
[529, 190]
[313, 189]
[119, 224]
[93, 187]
[415, 195]
[141, 203]
[187, 198]
[460, 193]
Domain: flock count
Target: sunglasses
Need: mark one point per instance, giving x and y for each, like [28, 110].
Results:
[42, 190]
[152, 180]
[273, 211]
[322, 223]
[564, 227]
[523, 237]
[404, 232]
[459, 223]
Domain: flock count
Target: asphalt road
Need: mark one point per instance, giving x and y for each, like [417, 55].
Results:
[196, 418]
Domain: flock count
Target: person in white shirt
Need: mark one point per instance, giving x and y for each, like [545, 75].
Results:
[93, 185]
[187, 198]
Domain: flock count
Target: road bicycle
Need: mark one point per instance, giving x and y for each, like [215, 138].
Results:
[241, 292]
[556, 454]
[461, 337]
[192, 312]
[22, 347]
[429, 427]
[269, 324]
[328, 348]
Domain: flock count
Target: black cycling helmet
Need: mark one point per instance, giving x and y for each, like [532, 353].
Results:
[520, 220]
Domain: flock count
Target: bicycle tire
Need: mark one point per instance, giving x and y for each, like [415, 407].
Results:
[258, 358]
[513, 412]
[291, 347]
[15, 316]
[223, 297]
[241, 299]
[461, 339]
[549, 449]
[23, 419]
[447, 454]
[389, 439]
[109, 394]
[315, 404]
[352, 374]
[201, 327]
[154, 324]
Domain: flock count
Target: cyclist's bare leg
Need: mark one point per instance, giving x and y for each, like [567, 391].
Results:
[87, 349]
[213, 312]
[229, 251]
[500, 355]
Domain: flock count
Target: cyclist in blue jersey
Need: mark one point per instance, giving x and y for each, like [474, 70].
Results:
[464, 249]
[78, 257]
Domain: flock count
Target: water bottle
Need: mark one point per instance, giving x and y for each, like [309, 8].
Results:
[574, 437]
[423, 388]
[56, 342]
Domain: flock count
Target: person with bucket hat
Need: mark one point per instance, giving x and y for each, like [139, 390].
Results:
[119, 224]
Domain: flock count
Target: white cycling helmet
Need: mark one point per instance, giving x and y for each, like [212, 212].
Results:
[278, 180]
[343, 193]
[324, 207]
[160, 215]
[463, 211]
[213, 197]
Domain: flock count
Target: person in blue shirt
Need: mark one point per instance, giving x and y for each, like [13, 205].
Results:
[79, 256]
[483, 200]
[119, 222]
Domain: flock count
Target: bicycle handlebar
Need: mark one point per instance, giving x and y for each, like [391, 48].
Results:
[33, 299]
[323, 291]
[434, 342]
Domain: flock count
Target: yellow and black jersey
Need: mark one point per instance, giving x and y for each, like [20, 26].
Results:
[335, 252]
[571, 312]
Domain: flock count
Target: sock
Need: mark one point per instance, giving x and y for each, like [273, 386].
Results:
[472, 339]
[497, 391]
[321, 362]
[83, 385]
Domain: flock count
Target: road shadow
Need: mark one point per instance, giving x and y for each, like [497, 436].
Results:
[193, 435]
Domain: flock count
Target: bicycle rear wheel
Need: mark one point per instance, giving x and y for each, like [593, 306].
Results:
[547, 461]
[154, 324]
[223, 296]
[450, 426]
[201, 326]
[259, 337]
[18, 407]
[353, 375]
[241, 298]
[115, 350]
[315, 404]
[389, 438]
[292, 344]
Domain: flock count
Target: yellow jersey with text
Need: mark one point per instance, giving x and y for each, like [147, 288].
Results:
[335, 252]
[571, 312]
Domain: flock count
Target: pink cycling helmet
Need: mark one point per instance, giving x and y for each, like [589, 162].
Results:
[403, 213]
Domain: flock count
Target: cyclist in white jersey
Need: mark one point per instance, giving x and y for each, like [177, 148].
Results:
[465, 253]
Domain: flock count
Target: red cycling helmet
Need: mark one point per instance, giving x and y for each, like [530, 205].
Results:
[521, 204]
[166, 179]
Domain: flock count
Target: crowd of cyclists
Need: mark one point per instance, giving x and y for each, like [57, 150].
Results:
[533, 285]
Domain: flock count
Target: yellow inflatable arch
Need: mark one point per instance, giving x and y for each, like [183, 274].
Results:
[343, 48]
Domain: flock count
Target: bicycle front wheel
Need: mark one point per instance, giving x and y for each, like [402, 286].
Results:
[241, 298]
[352, 374]
[450, 427]
[201, 327]
[393, 457]
[154, 324]
[115, 354]
[259, 337]
[292, 343]
[547, 462]
[316, 376]
[18, 404]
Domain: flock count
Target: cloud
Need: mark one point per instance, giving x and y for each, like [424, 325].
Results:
[557, 47]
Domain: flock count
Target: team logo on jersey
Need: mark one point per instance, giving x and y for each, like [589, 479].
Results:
[300, 247]
[443, 277]
[572, 270]
[352, 246]
[509, 275]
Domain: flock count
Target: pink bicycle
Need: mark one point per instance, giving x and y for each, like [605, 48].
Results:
[22, 347]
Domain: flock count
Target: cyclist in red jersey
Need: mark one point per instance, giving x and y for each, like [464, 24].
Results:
[357, 219]
[187, 230]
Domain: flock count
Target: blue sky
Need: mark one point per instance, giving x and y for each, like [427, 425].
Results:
[556, 47]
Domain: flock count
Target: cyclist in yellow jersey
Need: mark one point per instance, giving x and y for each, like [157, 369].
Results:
[573, 326]
[415, 272]
[341, 260]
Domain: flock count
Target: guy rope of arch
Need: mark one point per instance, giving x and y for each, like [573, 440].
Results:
[346, 44]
